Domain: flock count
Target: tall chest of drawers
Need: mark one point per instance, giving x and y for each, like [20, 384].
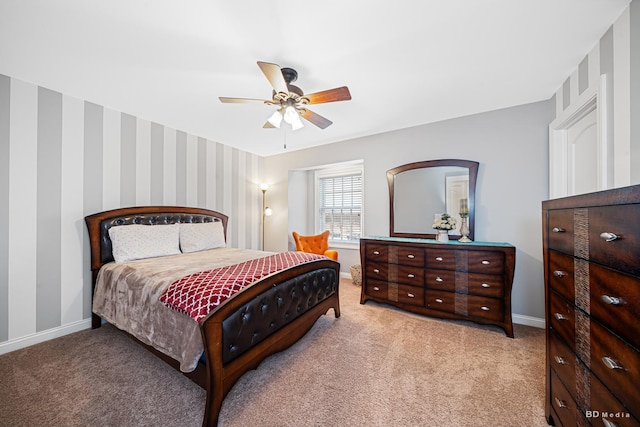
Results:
[591, 247]
[469, 281]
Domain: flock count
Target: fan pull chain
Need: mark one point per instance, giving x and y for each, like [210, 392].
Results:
[284, 128]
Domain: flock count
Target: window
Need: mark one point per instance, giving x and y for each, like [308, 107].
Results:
[339, 196]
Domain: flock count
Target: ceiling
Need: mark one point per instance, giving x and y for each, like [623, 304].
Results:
[405, 62]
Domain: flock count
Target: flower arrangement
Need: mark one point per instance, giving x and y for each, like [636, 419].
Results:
[445, 222]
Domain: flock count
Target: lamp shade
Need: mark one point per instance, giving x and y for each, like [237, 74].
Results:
[275, 119]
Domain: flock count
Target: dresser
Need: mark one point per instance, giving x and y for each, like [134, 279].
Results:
[591, 247]
[451, 280]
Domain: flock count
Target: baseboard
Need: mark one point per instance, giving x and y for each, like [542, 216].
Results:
[43, 336]
[521, 319]
[345, 275]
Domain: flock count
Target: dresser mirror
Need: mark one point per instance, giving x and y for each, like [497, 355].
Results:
[420, 191]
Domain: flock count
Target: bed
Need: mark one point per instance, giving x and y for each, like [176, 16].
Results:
[265, 316]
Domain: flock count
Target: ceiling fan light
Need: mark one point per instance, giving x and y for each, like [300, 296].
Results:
[275, 119]
[297, 123]
[290, 114]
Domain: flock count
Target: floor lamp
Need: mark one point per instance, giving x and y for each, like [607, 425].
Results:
[266, 211]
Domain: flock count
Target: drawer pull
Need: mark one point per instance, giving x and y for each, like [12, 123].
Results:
[560, 273]
[612, 364]
[612, 300]
[439, 279]
[375, 270]
[375, 288]
[485, 308]
[609, 237]
[608, 423]
[438, 300]
[558, 230]
[410, 256]
[560, 403]
[486, 285]
[439, 258]
[411, 276]
[376, 252]
[410, 295]
[560, 360]
[485, 262]
[559, 316]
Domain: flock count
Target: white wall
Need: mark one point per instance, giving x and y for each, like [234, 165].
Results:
[512, 148]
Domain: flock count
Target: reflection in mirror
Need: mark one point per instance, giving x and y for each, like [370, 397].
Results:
[420, 192]
[445, 185]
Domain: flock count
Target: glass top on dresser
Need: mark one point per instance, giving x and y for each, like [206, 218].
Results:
[451, 242]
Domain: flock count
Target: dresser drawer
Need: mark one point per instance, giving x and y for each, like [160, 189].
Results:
[563, 403]
[563, 361]
[488, 285]
[622, 253]
[562, 318]
[441, 301]
[486, 262]
[560, 230]
[444, 280]
[617, 365]
[471, 306]
[441, 259]
[469, 283]
[615, 302]
[485, 308]
[377, 289]
[405, 255]
[561, 274]
[411, 295]
[395, 273]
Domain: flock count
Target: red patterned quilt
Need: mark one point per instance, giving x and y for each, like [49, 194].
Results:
[197, 294]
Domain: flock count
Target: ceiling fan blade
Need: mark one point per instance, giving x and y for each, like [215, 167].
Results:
[273, 73]
[243, 100]
[268, 125]
[315, 118]
[331, 95]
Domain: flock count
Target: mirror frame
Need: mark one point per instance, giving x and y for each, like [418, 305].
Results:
[473, 176]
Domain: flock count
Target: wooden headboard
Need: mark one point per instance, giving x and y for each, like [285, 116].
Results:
[99, 224]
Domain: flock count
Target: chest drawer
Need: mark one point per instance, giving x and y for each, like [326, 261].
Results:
[563, 319]
[622, 253]
[487, 262]
[617, 365]
[615, 302]
[563, 361]
[404, 255]
[560, 230]
[563, 403]
[561, 274]
[603, 402]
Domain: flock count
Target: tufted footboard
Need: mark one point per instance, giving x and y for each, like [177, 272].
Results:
[263, 319]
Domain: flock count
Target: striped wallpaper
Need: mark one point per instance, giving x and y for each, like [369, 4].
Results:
[616, 55]
[62, 158]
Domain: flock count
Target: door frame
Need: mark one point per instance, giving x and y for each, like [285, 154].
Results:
[559, 157]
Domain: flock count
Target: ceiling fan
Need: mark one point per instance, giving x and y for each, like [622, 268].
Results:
[290, 99]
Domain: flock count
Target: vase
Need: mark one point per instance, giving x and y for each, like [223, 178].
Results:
[443, 236]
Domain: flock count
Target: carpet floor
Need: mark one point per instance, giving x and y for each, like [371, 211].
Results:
[374, 366]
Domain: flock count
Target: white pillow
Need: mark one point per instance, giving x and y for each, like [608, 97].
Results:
[138, 241]
[201, 235]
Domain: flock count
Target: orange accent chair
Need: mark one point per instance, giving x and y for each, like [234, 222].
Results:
[318, 244]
